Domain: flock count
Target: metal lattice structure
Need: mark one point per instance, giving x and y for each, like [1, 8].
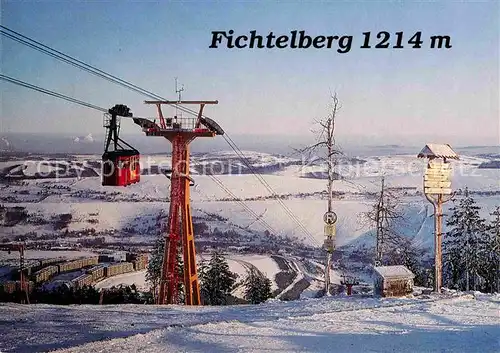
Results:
[179, 233]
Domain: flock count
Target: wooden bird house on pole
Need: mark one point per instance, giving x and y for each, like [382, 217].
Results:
[437, 190]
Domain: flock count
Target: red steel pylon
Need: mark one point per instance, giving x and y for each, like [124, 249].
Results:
[180, 132]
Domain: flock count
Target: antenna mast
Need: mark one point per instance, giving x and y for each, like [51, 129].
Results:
[179, 99]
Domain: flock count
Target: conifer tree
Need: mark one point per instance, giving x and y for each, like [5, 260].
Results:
[180, 274]
[465, 245]
[490, 269]
[258, 287]
[153, 273]
[217, 281]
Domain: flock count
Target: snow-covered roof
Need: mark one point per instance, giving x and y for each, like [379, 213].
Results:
[393, 271]
[437, 150]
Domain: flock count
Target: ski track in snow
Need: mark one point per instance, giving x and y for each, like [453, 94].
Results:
[354, 324]
[300, 276]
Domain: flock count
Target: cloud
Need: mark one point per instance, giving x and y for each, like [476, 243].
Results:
[84, 139]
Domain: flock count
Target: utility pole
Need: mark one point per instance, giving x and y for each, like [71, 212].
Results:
[438, 243]
[437, 201]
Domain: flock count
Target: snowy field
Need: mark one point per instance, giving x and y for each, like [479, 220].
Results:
[46, 254]
[131, 215]
[142, 216]
[32, 256]
[264, 264]
[137, 278]
[465, 323]
[238, 264]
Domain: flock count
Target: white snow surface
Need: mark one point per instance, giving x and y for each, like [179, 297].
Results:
[237, 264]
[448, 323]
[264, 263]
[46, 254]
[118, 212]
[138, 278]
[393, 271]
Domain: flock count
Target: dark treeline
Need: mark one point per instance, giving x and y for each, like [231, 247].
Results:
[67, 295]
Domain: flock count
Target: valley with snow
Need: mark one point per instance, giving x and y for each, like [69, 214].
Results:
[58, 207]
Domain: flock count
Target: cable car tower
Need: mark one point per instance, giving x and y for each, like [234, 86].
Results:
[180, 131]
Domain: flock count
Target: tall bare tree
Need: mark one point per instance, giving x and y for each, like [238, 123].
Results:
[326, 151]
[385, 215]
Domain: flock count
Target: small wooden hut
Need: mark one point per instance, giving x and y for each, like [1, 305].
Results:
[393, 281]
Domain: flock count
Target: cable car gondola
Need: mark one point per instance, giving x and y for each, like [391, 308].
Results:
[120, 166]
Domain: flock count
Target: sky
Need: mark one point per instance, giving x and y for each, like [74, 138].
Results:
[388, 95]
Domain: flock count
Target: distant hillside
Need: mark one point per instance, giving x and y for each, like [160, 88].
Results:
[490, 165]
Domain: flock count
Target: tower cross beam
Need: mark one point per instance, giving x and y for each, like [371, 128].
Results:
[181, 102]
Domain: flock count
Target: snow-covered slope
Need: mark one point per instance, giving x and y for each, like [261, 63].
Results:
[353, 324]
[134, 214]
[137, 278]
[238, 264]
